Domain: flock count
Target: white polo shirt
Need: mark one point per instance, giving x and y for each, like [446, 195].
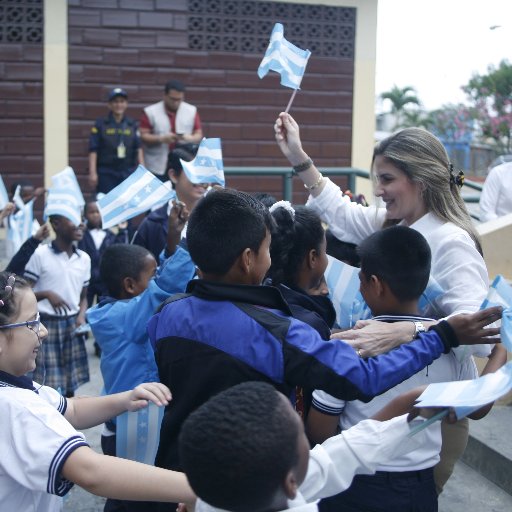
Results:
[51, 269]
[35, 442]
[445, 369]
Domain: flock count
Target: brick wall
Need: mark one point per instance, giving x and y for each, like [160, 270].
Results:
[140, 44]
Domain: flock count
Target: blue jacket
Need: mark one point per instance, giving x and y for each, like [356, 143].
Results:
[119, 326]
[222, 335]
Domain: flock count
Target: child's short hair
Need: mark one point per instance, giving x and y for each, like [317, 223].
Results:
[237, 448]
[185, 152]
[293, 236]
[120, 261]
[222, 225]
[343, 251]
[400, 256]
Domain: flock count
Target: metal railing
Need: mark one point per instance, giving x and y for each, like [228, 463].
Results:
[287, 175]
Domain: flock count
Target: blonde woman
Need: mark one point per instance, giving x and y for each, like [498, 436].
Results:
[415, 180]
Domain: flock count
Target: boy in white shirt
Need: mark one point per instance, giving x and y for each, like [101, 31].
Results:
[245, 450]
[395, 268]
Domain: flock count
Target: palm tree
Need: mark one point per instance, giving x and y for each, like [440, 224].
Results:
[400, 97]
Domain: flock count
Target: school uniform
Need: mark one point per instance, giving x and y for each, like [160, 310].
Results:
[63, 362]
[403, 482]
[334, 463]
[95, 242]
[35, 443]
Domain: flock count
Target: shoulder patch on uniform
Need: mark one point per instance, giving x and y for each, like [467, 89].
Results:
[94, 129]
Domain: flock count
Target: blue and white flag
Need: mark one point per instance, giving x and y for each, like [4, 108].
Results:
[4, 196]
[467, 396]
[60, 201]
[343, 283]
[135, 195]
[500, 294]
[285, 58]
[20, 224]
[65, 197]
[138, 434]
[207, 166]
[66, 180]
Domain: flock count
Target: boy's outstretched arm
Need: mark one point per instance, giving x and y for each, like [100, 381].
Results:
[401, 404]
[87, 412]
[117, 478]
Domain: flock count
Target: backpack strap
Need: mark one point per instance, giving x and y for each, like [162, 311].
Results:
[172, 298]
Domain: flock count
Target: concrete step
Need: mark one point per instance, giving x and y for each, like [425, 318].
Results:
[468, 491]
[489, 450]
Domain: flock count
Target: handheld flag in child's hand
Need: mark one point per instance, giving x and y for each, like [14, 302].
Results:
[500, 294]
[65, 197]
[138, 433]
[19, 225]
[66, 180]
[467, 396]
[285, 58]
[4, 197]
[207, 166]
[136, 194]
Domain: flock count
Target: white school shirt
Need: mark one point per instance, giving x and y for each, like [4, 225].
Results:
[496, 197]
[52, 269]
[334, 463]
[456, 265]
[35, 442]
[445, 369]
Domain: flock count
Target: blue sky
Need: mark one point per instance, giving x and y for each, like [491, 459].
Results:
[436, 45]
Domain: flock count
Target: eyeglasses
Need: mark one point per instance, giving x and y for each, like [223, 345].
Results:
[33, 325]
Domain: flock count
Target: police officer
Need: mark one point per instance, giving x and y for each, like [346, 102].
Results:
[114, 145]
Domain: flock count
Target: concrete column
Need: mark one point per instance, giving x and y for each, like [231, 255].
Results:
[55, 87]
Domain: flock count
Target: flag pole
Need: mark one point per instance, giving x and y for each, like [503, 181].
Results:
[291, 101]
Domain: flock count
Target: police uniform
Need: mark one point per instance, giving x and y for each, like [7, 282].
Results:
[116, 145]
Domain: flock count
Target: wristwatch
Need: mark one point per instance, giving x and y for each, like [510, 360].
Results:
[418, 327]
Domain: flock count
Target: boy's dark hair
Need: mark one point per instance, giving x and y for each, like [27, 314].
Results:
[238, 447]
[292, 239]
[222, 225]
[120, 261]
[267, 199]
[343, 251]
[185, 152]
[174, 85]
[400, 256]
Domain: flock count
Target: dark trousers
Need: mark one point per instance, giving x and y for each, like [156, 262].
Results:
[409, 491]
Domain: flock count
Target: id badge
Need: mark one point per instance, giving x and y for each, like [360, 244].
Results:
[121, 151]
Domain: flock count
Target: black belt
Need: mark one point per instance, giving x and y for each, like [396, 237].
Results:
[420, 474]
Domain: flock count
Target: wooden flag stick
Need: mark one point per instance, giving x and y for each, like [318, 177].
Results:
[291, 101]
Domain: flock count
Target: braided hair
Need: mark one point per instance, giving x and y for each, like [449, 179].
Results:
[293, 236]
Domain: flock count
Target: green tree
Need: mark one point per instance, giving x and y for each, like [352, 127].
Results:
[400, 98]
[491, 99]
